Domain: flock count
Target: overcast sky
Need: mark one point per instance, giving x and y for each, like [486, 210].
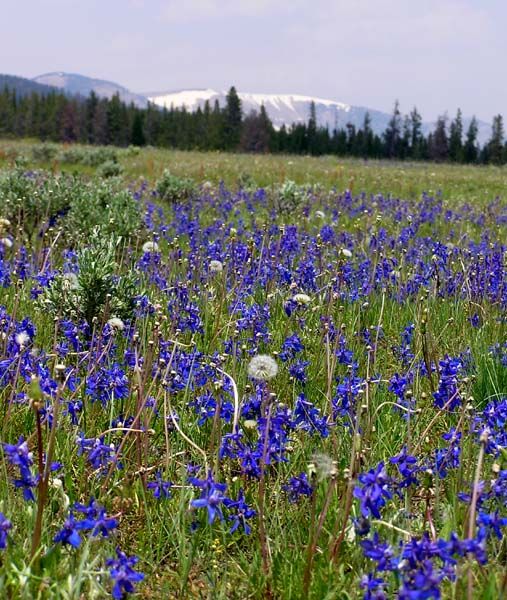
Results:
[436, 54]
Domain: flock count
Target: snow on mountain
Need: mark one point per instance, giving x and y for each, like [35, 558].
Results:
[286, 109]
[283, 109]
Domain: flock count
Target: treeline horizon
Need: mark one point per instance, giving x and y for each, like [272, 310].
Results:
[57, 117]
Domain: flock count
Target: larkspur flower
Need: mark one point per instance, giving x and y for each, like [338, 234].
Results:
[239, 513]
[212, 496]
[298, 486]
[5, 527]
[121, 571]
[160, 487]
[373, 490]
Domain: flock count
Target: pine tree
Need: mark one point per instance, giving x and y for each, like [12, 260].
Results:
[495, 147]
[367, 141]
[257, 132]
[456, 138]
[137, 136]
[470, 149]
[439, 147]
[232, 120]
[393, 132]
[416, 134]
[311, 130]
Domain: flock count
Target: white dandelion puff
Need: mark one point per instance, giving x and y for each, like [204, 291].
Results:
[346, 252]
[22, 339]
[116, 323]
[320, 214]
[215, 266]
[323, 466]
[301, 298]
[150, 246]
[262, 367]
[6, 242]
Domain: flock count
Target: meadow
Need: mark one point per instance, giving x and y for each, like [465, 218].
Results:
[236, 376]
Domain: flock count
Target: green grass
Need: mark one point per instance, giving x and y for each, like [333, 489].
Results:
[458, 183]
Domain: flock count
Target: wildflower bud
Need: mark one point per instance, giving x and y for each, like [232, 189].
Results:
[60, 371]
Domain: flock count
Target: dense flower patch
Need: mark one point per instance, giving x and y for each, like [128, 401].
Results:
[320, 392]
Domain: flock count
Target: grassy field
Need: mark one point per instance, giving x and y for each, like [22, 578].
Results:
[459, 183]
[254, 389]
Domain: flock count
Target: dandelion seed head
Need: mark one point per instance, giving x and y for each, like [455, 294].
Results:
[116, 323]
[346, 252]
[301, 298]
[150, 246]
[215, 266]
[323, 466]
[262, 367]
[22, 339]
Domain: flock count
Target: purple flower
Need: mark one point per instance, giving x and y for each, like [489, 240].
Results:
[373, 491]
[123, 574]
[211, 496]
[298, 486]
[161, 488]
[5, 527]
[241, 513]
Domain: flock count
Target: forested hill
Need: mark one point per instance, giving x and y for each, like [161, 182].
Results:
[23, 86]
[28, 109]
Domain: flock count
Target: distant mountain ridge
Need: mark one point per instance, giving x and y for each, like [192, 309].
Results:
[283, 109]
[74, 83]
[286, 109]
[24, 86]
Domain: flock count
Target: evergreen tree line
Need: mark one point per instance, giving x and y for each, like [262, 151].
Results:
[57, 117]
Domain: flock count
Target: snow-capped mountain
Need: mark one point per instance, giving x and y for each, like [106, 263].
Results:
[283, 109]
[286, 109]
[73, 83]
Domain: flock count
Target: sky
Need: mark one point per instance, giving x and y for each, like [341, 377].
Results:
[435, 54]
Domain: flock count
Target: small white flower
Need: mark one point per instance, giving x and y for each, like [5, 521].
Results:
[150, 246]
[320, 214]
[301, 298]
[346, 252]
[215, 266]
[207, 185]
[6, 242]
[22, 339]
[116, 323]
[262, 367]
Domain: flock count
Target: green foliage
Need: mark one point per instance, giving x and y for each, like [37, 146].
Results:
[31, 201]
[171, 188]
[109, 169]
[102, 206]
[44, 152]
[288, 197]
[97, 291]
